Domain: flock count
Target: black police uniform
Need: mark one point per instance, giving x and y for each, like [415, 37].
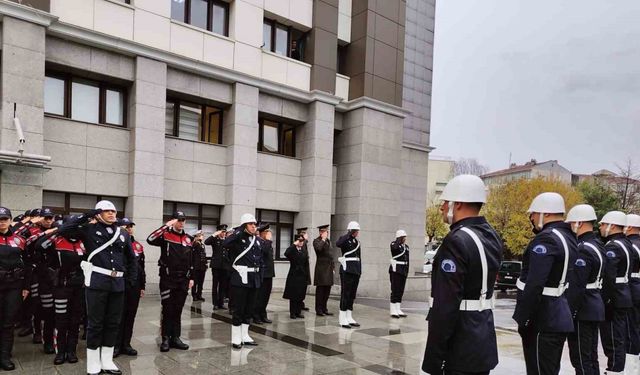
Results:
[176, 269]
[112, 267]
[268, 273]
[634, 285]
[295, 289]
[586, 304]
[13, 276]
[244, 250]
[461, 337]
[542, 311]
[199, 270]
[398, 276]
[617, 301]
[218, 271]
[349, 277]
[132, 294]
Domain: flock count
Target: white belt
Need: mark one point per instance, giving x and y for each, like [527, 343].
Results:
[257, 269]
[595, 285]
[104, 271]
[403, 263]
[352, 259]
[622, 280]
[547, 291]
[473, 304]
[635, 275]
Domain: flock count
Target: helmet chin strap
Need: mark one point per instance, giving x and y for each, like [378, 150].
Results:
[541, 220]
[450, 212]
[625, 230]
[575, 227]
[606, 232]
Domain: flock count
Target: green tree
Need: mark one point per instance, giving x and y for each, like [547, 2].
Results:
[600, 196]
[507, 205]
[435, 228]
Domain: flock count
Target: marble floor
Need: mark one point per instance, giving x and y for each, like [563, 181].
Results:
[315, 345]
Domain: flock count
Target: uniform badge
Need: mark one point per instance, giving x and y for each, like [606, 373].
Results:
[540, 249]
[243, 241]
[99, 233]
[580, 262]
[611, 254]
[16, 240]
[109, 230]
[448, 266]
[122, 238]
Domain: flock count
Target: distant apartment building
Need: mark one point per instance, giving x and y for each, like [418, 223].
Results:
[440, 171]
[529, 170]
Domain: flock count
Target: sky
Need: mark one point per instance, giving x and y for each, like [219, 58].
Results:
[542, 79]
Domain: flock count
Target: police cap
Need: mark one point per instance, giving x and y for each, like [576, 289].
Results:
[179, 215]
[5, 213]
[46, 212]
[222, 227]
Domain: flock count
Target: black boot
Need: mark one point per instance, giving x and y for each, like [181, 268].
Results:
[266, 319]
[72, 357]
[128, 350]
[176, 343]
[37, 338]
[116, 352]
[6, 364]
[164, 346]
[60, 358]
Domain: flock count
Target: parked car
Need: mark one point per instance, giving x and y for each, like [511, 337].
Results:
[508, 274]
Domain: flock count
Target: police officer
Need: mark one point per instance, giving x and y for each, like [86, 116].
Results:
[461, 338]
[323, 273]
[110, 260]
[132, 294]
[616, 293]
[350, 271]
[245, 253]
[633, 235]
[13, 285]
[542, 311]
[398, 272]
[176, 277]
[295, 289]
[199, 266]
[584, 291]
[304, 232]
[264, 294]
[218, 272]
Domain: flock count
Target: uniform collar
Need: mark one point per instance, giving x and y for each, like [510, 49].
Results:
[587, 236]
[9, 232]
[556, 224]
[474, 220]
[616, 236]
[633, 236]
[175, 231]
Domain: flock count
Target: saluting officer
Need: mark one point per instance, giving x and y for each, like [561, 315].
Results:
[461, 337]
[199, 266]
[295, 289]
[633, 235]
[304, 232]
[110, 260]
[584, 291]
[542, 311]
[132, 294]
[264, 294]
[616, 293]
[245, 253]
[13, 285]
[176, 277]
[323, 275]
[218, 271]
[350, 271]
[398, 272]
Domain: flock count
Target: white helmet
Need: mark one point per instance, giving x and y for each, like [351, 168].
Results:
[547, 203]
[247, 218]
[633, 221]
[615, 218]
[465, 188]
[353, 225]
[400, 233]
[105, 206]
[581, 213]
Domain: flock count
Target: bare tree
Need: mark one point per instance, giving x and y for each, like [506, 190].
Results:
[627, 186]
[469, 166]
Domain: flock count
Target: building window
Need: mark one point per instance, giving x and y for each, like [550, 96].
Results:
[277, 138]
[283, 40]
[281, 227]
[84, 100]
[74, 204]
[212, 15]
[193, 121]
[199, 216]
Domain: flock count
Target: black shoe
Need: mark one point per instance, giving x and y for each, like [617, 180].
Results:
[128, 350]
[266, 320]
[164, 346]
[300, 316]
[293, 316]
[37, 339]
[347, 327]
[116, 352]
[6, 364]
[250, 343]
[72, 357]
[60, 358]
[328, 313]
[48, 348]
[305, 308]
[176, 343]
[111, 372]
[319, 313]
[237, 346]
[25, 331]
[257, 320]
[354, 324]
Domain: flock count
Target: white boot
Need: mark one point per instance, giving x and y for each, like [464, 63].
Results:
[402, 314]
[94, 367]
[342, 319]
[350, 319]
[236, 337]
[106, 359]
[246, 340]
[631, 364]
[393, 311]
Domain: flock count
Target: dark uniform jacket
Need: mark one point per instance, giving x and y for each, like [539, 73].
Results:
[267, 258]
[217, 252]
[305, 248]
[586, 304]
[176, 260]
[323, 275]
[117, 257]
[63, 257]
[138, 251]
[398, 248]
[296, 285]
[462, 341]
[617, 294]
[634, 255]
[199, 256]
[237, 243]
[348, 243]
[542, 267]
[13, 272]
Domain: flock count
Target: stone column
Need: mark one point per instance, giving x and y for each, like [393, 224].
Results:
[240, 133]
[23, 57]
